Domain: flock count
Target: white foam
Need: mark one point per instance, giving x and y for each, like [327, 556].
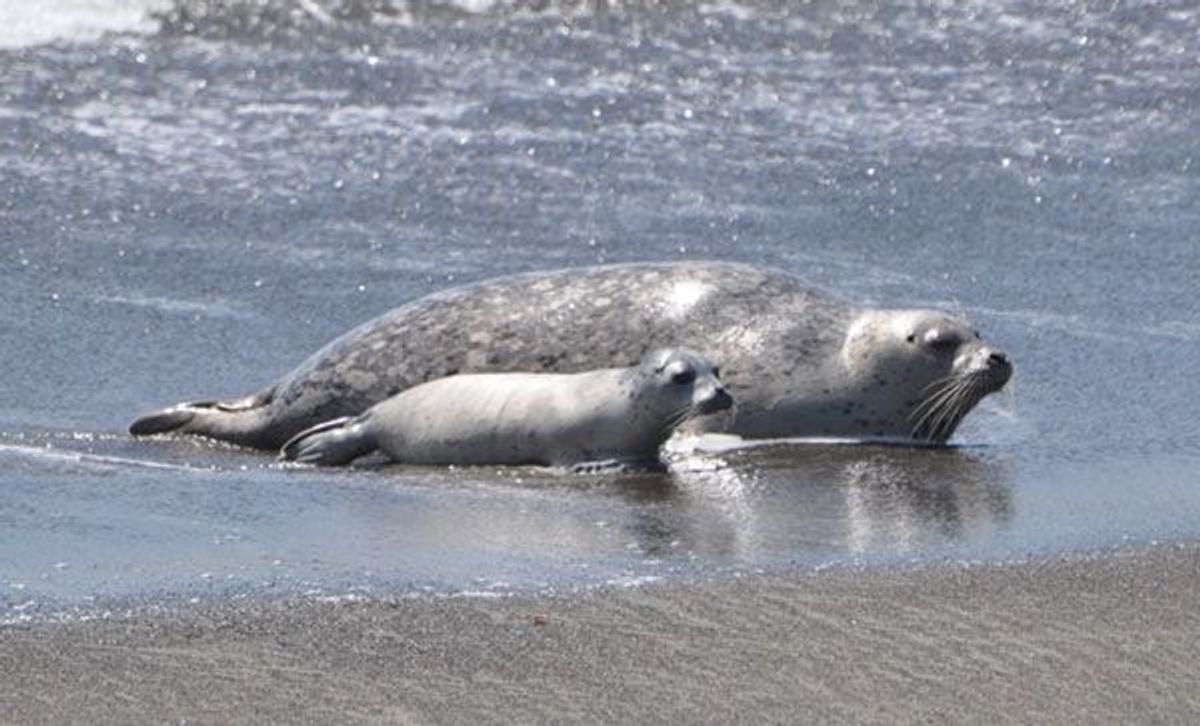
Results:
[32, 22]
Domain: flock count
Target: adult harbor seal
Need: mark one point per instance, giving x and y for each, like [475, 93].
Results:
[799, 362]
[620, 415]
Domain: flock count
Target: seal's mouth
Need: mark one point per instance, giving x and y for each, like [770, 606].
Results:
[720, 400]
[946, 402]
[715, 401]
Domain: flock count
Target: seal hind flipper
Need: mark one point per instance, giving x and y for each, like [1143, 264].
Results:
[243, 421]
[332, 443]
[161, 422]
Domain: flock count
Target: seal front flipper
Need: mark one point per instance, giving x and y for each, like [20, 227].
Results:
[335, 442]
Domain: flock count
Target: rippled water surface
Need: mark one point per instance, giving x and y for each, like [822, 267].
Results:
[196, 195]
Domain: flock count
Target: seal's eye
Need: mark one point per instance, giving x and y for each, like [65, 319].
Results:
[716, 371]
[682, 378]
[912, 338]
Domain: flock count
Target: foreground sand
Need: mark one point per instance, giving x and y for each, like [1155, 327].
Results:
[1106, 638]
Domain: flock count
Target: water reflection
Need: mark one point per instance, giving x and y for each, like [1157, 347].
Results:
[759, 506]
[479, 527]
[853, 499]
[799, 502]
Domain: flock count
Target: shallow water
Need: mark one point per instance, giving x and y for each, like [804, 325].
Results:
[195, 196]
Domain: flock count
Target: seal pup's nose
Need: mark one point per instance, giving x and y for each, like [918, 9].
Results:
[718, 399]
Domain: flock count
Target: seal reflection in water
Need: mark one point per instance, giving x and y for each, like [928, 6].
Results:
[798, 361]
[612, 416]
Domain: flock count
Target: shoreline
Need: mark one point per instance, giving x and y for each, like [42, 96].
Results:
[1109, 636]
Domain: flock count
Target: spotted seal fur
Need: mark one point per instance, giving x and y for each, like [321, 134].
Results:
[798, 361]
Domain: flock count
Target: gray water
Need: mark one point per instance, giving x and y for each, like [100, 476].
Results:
[194, 196]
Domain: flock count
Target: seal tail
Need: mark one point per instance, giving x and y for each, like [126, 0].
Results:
[240, 422]
[335, 442]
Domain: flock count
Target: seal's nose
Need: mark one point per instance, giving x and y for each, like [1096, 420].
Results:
[999, 367]
[718, 400]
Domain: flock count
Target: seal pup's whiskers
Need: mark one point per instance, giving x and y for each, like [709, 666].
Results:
[788, 349]
[674, 420]
[548, 419]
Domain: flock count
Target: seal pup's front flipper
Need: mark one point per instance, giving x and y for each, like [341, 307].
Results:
[616, 466]
[243, 421]
[335, 442]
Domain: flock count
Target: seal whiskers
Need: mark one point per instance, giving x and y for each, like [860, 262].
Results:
[933, 408]
[940, 414]
[927, 410]
[674, 420]
[803, 363]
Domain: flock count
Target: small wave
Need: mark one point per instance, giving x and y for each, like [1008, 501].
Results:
[214, 309]
[1178, 329]
[76, 457]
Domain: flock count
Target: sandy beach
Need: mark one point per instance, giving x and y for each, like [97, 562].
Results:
[198, 195]
[1108, 637]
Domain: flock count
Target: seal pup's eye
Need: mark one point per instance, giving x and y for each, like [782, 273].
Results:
[716, 371]
[912, 338]
[682, 378]
[942, 340]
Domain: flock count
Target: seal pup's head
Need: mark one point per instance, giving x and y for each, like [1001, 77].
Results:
[685, 382]
[927, 367]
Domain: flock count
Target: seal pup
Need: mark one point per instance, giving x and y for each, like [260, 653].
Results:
[798, 361]
[616, 415]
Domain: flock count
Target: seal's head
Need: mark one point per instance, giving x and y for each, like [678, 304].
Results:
[925, 366]
[689, 382]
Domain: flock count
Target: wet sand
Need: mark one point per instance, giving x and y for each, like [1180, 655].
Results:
[1110, 637]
